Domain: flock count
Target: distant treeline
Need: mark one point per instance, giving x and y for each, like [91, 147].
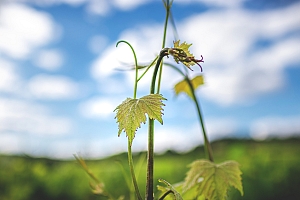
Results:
[271, 171]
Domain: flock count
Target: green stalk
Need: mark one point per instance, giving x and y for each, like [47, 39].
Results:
[131, 166]
[150, 161]
[150, 156]
[167, 5]
[136, 66]
[152, 63]
[208, 149]
[165, 194]
[130, 160]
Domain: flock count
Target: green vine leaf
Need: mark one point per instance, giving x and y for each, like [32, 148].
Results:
[131, 113]
[184, 87]
[176, 195]
[213, 180]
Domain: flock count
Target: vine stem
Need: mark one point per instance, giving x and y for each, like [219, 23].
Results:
[208, 149]
[167, 5]
[150, 156]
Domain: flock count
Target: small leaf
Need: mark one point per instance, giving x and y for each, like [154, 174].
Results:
[184, 46]
[131, 113]
[213, 180]
[183, 86]
[181, 53]
[176, 195]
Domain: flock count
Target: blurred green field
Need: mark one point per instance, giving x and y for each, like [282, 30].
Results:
[271, 171]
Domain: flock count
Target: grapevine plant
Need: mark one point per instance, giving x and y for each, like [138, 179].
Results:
[205, 179]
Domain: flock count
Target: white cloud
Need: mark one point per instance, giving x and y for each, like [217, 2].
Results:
[221, 128]
[235, 70]
[128, 4]
[272, 24]
[220, 3]
[101, 107]
[105, 65]
[97, 43]
[166, 137]
[146, 42]
[73, 2]
[176, 138]
[275, 126]
[183, 139]
[18, 116]
[10, 143]
[115, 86]
[49, 59]
[23, 29]
[98, 7]
[87, 148]
[53, 87]
[63, 149]
[52, 2]
[104, 7]
[9, 78]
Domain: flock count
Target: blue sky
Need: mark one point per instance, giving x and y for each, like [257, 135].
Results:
[60, 76]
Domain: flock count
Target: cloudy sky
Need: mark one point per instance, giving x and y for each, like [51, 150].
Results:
[61, 75]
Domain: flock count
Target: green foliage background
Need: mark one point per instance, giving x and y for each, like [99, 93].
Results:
[271, 170]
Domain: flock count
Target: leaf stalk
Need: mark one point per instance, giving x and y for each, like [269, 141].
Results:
[131, 166]
[130, 160]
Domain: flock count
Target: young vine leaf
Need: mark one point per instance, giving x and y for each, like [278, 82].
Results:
[181, 53]
[184, 87]
[131, 113]
[169, 188]
[213, 180]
